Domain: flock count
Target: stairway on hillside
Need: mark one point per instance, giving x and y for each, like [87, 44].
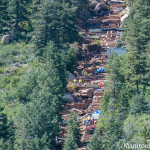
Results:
[110, 39]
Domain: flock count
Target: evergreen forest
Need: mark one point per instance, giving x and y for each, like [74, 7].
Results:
[43, 45]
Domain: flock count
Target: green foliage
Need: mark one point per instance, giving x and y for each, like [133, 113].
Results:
[39, 81]
[139, 104]
[19, 13]
[137, 38]
[137, 128]
[26, 84]
[116, 68]
[6, 145]
[6, 132]
[71, 60]
[70, 143]
[111, 124]
[54, 22]
[74, 128]
[3, 125]
[3, 14]
[31, 86]
[116, 76]
[40, 117]
[14, 54]
[37, 125]
[56, 61]
[125, 106]
[97, 141]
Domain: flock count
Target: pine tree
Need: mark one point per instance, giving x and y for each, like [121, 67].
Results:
[56, 59]
[3, 14]
[137, 38]
[74, 127]
[115, 71]
[19, 13]
[38, 121]
[111, 124]
[96, 143]
[3, 125]
[70, 143]
[6, 132]
[6, 144]
[54, 22]
[26, 84]
[139, 104]
[71, 60]
[136, 128]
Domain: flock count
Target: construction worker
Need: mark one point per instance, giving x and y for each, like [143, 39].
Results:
[85, 74]
[85, 84]
[70, 83]
[89, 119]
[80, 82]
[75, 81]
[75, 74]
[92, 122]
[101, 61]
[85, 122]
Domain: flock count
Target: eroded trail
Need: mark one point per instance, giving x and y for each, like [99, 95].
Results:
[93, 56]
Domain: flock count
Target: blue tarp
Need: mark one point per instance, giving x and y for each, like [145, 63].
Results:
[95, 30]
[119, 9]
[97, 112]
[119, 40]
[100, 90]
[119, 34]
[99, 70]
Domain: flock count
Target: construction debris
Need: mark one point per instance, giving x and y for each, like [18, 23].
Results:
[93, 59]
[87, 92]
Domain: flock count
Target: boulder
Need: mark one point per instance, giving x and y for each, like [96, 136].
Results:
[71, 77]
[99, 7]
[68, 97]
[7, 39]
[93, 4]
[87, 92]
